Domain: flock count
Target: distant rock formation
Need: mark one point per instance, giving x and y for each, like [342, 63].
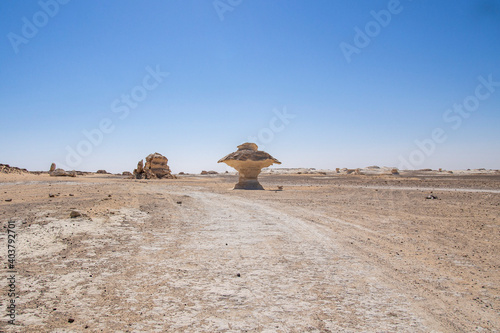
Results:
[5, 168]
[103, 172]
[395, 171]
[52, 167]
[155, 168]
[62, 173]
[211, 172]
[126, 173]
[140, 169]
[249, 161]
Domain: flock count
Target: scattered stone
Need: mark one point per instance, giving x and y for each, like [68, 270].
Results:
[249, 161]
[238, 275]
[431, 196]
[74, 214]
[51, 195]
[71, 320]
[179, 202]
[71, 195]
[155, 168]
[8, 200]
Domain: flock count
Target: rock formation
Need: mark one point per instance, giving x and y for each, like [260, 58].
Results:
[5, 168]
[249, 161]
[155, 168]
[52, 167]
[62, 173]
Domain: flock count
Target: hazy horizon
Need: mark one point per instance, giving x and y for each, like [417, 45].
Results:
[407, 84]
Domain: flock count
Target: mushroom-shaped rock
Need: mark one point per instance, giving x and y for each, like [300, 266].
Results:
[249, 161]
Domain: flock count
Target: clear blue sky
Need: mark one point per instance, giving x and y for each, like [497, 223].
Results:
[355, 83]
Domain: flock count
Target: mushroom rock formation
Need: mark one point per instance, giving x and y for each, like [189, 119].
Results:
[249, 161]
[155, 167]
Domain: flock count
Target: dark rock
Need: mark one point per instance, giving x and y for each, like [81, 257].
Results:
[74, 214]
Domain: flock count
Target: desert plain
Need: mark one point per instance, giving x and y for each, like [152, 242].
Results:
[328, 253]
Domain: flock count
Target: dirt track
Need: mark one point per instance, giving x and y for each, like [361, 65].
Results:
[327, 254]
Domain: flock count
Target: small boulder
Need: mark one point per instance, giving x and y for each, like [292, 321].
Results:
[75, 214]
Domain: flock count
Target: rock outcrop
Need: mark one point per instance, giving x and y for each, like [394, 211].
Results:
[62, 173]
[5, 168]
[249, 161]
[155, 168]
[52, 167]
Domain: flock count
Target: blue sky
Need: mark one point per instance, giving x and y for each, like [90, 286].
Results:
[321, 84]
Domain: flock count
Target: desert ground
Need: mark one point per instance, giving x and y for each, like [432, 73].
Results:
[328, 253]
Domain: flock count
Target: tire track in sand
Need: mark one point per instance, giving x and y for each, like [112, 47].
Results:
[293, 275]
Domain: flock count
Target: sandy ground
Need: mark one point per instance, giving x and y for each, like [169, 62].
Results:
[329, 253]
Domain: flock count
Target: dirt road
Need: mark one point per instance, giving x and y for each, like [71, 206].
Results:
[192, 255]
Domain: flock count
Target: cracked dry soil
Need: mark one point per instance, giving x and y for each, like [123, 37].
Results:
[327, 254]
